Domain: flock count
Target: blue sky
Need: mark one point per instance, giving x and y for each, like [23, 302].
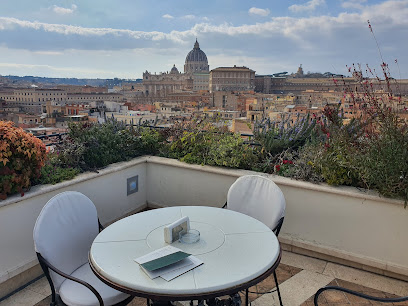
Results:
[123, 38]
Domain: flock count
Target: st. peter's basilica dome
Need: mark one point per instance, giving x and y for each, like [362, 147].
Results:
[196, 60]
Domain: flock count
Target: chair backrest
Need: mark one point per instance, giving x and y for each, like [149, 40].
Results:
[64, 232]
[258, 197]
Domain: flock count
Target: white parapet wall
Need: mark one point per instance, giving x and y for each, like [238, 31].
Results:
[107, 188]
[341, 224]
[344, 225]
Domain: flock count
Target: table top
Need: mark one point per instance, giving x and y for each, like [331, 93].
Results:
[235, 249]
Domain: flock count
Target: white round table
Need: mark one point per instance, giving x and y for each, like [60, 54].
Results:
[238, 251]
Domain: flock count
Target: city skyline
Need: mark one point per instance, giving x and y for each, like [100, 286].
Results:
[72, 38]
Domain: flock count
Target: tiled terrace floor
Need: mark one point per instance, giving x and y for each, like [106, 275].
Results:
[299, 278]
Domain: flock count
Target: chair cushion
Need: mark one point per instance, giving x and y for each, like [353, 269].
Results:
[64, 232]
[258, 197]
[73, 293]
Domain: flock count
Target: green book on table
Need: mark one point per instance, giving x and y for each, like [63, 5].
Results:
[164, 261]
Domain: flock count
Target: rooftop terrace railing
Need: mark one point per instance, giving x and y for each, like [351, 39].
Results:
[58, 138]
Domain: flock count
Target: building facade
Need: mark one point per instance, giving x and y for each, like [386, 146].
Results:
[194, 78]
[162, 84]
[232, 79]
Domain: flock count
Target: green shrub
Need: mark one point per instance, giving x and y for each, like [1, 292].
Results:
[204, 143]
[53, 172]
[383, 165]
[151, 141]
[93, 146]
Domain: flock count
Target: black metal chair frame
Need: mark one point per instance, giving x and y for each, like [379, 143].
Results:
[276, 230]
[46, 266]
[364, 296]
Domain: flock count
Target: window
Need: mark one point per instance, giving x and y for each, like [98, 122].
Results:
[224, 101]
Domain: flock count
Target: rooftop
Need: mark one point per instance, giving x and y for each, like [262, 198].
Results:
[319, 247]
[235, 68]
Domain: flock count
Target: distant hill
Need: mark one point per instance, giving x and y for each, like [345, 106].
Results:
[68, 81]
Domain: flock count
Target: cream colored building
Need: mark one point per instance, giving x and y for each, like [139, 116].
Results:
[232, 79]
[195, 76]
[201, 81]
[134, 117]
[162, 84]
[92, 97]
[32, 100]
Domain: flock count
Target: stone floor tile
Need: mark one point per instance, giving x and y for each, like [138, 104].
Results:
[367, 279]
[283, 273]
[24, 297]
[44, 302]
[41, 286]
[252, 295]
[303, 262]
[298, 288]
[354, 300]
[138, 302]
[308, 303]
[333, 296]
[267, 300]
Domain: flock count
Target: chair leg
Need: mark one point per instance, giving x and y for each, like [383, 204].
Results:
[247, 297]
[277, 288]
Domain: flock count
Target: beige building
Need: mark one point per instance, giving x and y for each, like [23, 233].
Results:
[195, 76]
[92, 97]
[201, 81]
[162, 84]
[82, 89]
[222, 114]
[135, 117]
[232, 79]
[32, 100]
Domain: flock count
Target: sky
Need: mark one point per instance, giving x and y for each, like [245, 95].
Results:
[124, 38]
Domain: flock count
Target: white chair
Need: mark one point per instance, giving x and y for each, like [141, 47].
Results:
[63, 234]
[260, 198]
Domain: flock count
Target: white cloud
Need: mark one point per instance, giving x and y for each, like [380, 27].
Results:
[7, 23]
[353, 4]
[307, 7]
[64, 11]
[48, 52]
[283, 26]
[259, 11]
[167, 16]
[327, 40]
[189, 17]
[49, 67]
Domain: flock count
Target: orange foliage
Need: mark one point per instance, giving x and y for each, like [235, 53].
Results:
[21, 158]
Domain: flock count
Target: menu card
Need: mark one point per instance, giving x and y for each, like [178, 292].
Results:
[168, 263]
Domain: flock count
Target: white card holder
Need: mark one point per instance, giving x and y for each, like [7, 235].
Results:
[172, 231]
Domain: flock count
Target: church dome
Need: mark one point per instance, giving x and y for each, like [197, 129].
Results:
[174, 70]
[196, 60]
